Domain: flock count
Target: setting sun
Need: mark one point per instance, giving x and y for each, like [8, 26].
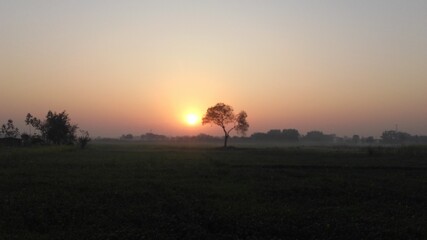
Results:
[191, 119]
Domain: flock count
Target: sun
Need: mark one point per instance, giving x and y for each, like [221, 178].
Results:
[192, 119]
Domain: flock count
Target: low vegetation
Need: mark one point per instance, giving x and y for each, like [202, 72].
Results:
[154, 191]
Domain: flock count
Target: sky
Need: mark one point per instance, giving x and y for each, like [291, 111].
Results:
[117, 67]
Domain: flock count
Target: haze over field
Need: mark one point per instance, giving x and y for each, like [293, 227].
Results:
[345, 67]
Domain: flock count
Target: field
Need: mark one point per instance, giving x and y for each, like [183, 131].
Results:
[149, 191]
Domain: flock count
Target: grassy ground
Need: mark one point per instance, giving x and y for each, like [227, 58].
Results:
[141, 191]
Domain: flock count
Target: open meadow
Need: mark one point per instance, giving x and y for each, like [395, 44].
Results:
[173, 191]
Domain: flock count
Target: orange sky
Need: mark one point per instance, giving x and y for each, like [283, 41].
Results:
[131, 67]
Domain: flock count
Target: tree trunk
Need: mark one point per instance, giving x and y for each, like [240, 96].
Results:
[225, 140]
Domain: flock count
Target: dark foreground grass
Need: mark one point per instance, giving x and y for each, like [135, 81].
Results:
[171, 192]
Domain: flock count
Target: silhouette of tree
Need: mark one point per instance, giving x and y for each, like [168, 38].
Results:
[290, 134]
[126, 137]
[274, 134]
[83, 139]
[153, 137]
[259, 136]
[223, 116]
[8, 130]
[314, 136]
[370, 139]
[57, 127]
[319, 136]
[355, 139]
[26, 139]
[395, 137]
[33, 121]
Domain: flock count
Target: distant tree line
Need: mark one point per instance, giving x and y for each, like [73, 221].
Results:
[55, 129]
[288, 136]
[144, 137]
[292, 135]
[396, 137]
[152, 137]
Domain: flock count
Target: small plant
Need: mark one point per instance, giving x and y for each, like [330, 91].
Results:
[83, 139]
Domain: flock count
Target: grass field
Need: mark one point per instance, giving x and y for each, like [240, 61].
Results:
[143, 191]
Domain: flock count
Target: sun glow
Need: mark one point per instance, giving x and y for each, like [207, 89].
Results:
[192, 119]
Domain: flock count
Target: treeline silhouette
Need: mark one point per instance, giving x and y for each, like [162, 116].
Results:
[285, 136]
[55, 129]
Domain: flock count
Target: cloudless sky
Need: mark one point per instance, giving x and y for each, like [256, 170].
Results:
[345, 67]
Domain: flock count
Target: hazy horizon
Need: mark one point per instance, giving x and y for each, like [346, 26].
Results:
[343, 67]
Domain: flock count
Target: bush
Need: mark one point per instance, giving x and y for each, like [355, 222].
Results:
[84, 139]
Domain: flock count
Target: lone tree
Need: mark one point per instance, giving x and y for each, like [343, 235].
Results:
[223, 116]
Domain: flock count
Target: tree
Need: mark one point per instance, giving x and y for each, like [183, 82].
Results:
[223, 116]
[83, 139]
[33, 121]
[57, 127]
[126, 137]
[9, 130]
[356, 139]
[274, 134]
[370, 140]
[290, 135]
[315, 136]
[395, 137]
[319, 136]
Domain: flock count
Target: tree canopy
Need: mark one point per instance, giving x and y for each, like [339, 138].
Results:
[9, 130]
[223, 116]
[57, 127]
